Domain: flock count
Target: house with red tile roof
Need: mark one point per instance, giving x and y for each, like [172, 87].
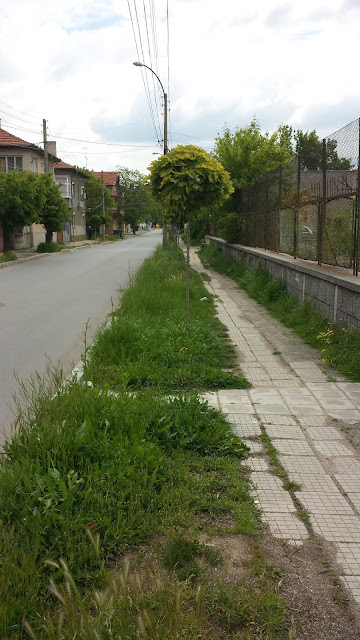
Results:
[20, 155]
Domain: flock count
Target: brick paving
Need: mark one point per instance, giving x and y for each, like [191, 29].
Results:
[303, 414]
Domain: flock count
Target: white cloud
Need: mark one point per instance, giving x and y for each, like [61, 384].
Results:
[71, 62]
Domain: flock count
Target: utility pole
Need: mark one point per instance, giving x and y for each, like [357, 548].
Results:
[165, 125]
[103, 204]
[46, 154]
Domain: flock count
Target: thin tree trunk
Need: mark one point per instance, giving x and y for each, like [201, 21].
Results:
[165, 238]
[187, 277]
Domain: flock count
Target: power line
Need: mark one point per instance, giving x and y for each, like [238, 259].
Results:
[18, 110]
[151, 65]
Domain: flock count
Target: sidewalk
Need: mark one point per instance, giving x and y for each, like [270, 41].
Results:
[306, 417]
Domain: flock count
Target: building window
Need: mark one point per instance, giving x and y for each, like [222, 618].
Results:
[34, 165]
[14, 162]
[10, 163]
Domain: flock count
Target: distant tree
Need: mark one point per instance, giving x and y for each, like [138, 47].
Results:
[94, 215]
[135, 200]
[22, 197]
[310, 149]
[54, 211]
[248, 153]
[183, 181]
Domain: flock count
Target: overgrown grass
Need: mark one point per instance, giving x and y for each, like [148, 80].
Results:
[147, 344]
[340, 348]
[90, 475]
[7, 256]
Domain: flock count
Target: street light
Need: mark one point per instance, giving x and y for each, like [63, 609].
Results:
[141, 64]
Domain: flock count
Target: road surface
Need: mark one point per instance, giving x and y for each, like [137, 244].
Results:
[46, 303]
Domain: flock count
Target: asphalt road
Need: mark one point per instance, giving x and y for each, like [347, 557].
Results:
[46, 303]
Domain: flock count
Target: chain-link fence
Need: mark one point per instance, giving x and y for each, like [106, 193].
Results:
[310, 207]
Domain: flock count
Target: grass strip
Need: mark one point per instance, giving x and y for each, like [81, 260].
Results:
[7, 256]
[91, 475]
[147, 344]
[339, 347]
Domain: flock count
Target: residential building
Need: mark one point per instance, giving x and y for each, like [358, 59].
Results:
[112, 184]
[72, 189]
[20, 155]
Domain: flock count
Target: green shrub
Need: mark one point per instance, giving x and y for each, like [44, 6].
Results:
[7, 256]
[49, 247]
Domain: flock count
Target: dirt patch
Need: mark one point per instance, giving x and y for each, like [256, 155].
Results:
[321, 608]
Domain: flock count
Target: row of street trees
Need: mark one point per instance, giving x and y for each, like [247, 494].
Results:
[134, 203]
[29, 197]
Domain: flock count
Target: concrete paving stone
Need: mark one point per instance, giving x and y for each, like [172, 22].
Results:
[302, 464]
[349, 416]
[233, 407]
[313, 421]
[347, 466]
[322, 386]
[266, 481]
[314, 482]
[285, 526]
[254, 446]
[336, 528]
[353, 585]
[354, 498]
[243, 420]
[349, 482]
[323, 433]
[246, 431]
[256, 464]
[354, 396]
[270, 396]
[273, 409]
[289, 382]
[303, 410]
[292, 447]
[211, 398]
[348, 557]
[285, 431]
[274, 502]
[325, 503]
[267, 418]
[238, 396]
[349, 387]
[335, 401]
[331, 449]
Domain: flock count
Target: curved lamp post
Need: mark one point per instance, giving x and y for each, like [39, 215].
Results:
[141, 64]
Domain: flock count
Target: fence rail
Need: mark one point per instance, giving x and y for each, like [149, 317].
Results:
[312, 214]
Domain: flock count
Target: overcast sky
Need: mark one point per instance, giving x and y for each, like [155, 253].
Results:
[70, 61]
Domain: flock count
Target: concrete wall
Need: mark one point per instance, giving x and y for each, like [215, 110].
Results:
[334, 292]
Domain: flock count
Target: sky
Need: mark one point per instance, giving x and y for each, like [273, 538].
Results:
[221, 64]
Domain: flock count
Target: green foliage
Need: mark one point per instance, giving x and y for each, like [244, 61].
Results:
[49, 247]
[310, 148]
[187, 179]
[22, 197]
[94, 215]
[136, 202]
[54, 211]
[230, 227]
[147, 344]
[247, 153]
[182, 555]
[7, 256]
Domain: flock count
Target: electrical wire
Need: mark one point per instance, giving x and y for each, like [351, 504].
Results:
[151, 65]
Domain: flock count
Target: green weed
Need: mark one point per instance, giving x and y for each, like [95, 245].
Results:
[7, 256]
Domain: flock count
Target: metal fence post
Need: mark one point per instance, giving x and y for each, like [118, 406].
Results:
[296, 210]
[279, 210]
[357, 213]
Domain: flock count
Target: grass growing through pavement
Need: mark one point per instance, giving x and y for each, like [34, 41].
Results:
[340, 348]
[147, 344]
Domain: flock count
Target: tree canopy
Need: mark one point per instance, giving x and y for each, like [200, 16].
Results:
[54, 211]
[137, 203]
[94, 215]
[187, 179]
[247, 153]
[310, 149]
[29, 197]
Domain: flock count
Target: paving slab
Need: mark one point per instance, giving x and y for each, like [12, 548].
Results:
[337, 528]
[325, 503]
[328, 434]
[292, 447]
[348, 557]
[353, 585]
[330, 449]
[284, 432]
[302, 464]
